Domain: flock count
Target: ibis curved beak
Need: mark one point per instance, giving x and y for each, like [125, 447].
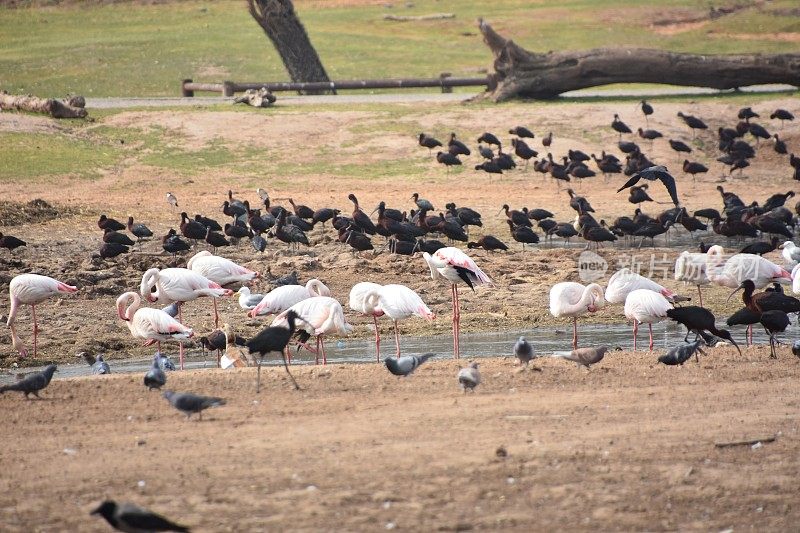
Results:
[737, 346]
[373, 211]
[731, 294]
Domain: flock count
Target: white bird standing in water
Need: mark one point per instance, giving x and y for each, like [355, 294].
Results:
[690, 267]
[624, 281]
[455, 266]
[219, 270]
[739, 267]
[397, 302]
[359, 304]
[152, 325]
[31, 289]
[317, 316]
[644, 306]
[572, 299]
[282, 298]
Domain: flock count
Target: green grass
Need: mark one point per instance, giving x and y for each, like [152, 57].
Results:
[38, 155]
[145, 50]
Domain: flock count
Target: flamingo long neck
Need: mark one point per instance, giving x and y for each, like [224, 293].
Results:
[135, 304]
[372, 302]
[587, 299]
[314, 287]
[12, 314]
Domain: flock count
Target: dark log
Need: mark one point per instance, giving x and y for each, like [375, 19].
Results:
[521, 73]
[280, 22]
[33, 104]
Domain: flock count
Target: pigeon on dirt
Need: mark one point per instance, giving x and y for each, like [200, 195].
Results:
[98, 364]
[523, 351]
[469, 377]
[192, 403]
[172, 200]
[288, 279]
[585, 357]
[406, 364]
[32, 383]
[681, 354]
[130, 518]
[155, 377]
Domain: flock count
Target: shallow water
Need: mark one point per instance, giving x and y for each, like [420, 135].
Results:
[547, 340]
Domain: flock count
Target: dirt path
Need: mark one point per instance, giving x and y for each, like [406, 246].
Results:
[627, 446]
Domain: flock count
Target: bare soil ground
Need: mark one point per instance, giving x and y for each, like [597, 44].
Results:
[629, 445]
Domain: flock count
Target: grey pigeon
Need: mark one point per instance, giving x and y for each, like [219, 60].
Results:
[155, 377]
[681, 354]
[132, 519]
[164, 362]
[172, 309]
[33, 383]
[192, 403]
[585, 356]
[99, 366]
[469, 377]
[406, 364]
[288, 279]
[523, 351]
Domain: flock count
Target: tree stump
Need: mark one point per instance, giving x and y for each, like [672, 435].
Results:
[48, 106]
[521, 73]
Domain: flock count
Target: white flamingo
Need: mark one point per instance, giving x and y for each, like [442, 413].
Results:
[31, 289]
[791, 254]
[219, 270]
[398, 302]
[152, 325]
[624, 281]
[318, 315]
[644, 306]
[456, 267]
[796, 279]
[179, 285]
[739, 267]
[358, 303]
[690, 267]
[282, 298]
[573, 300]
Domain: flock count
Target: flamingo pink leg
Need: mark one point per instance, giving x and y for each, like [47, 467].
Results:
[377, 340]
[650, 326]
[699, 292]
[635, 331]
[288, 354]
[396, 338]
[574, 333]
[35, 329]
[456, 323]
[324, 355]
[216, 313]
[316, 354]
[180, 344]
[750, 333]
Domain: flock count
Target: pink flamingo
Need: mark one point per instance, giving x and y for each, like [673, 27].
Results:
[319, 315]
[573, 299]
[397, 302]
[31, 289]
[178, 285]
[219, 270]
[153, 325]
[624, 281]
[282, 298]
[739, 267]
[455, 266]
[644, 306]
[358, 303]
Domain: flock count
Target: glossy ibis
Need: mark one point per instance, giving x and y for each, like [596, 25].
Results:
[456, 147]
[779, 146]
[693, 168]
[490, 167]
[274, 339]
[650, 135]
[693, 122]
[619, 126]
[489, 138]
[360, 218]
[639, 194]
[699, 320]
[655, 173]
[523, 151]
[521, 131]
[428, 142]
[447, 159]
[547, 140]
[781, 114]
[646, 108]
[486, 152]
[11, 242]
[302, 211]
[105, 223]
[489, 243]
[746, 113]
[680, 146]
[579, 203]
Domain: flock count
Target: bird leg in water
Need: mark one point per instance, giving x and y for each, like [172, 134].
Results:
[574, 333]
[35, 329]
[316, 353]
[324, 355]
[377, 340]
[636, 330]
[180, 344]
[650, 327]
[456, 352]
[284, 353]
[396, 338]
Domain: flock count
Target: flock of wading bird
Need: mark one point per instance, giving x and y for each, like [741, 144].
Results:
[305, 311]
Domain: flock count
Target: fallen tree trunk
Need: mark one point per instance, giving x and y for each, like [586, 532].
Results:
[32, 104]
[521, 73]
